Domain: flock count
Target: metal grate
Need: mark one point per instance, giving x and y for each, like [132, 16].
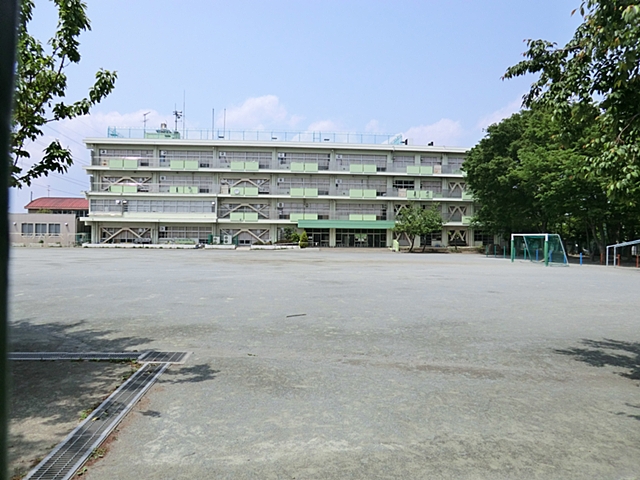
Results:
[63, 462]
[74, 356]
[164, 357]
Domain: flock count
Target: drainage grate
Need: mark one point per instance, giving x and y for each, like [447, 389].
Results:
[74, 355]
[63, 462]
[164, 357]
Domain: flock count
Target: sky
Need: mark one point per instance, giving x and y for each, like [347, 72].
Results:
[428, 69]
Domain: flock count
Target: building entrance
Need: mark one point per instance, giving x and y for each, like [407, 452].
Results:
[361, 238]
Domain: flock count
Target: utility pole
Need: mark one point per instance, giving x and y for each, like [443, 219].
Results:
[178, 116]
[144, 121]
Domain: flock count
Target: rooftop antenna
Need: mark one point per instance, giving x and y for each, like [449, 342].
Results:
[213, 122]
[144, 121]
[178, 116]
[184, 109]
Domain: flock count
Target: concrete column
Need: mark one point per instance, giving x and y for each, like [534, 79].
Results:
[95, 232]
[389, 237]
[155, 237]
[332, 237]
[273, 233]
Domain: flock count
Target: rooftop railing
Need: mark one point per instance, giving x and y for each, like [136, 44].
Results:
[259, 136]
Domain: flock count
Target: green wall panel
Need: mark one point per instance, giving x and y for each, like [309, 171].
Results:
[296, 192]
[297, 167]
[237, 166]
[177, 164]
[426, 170]
[310, 192]
[251, 166]
[369, 193]
[369, 169]
[130, 164]
[294, 217]
[413, 170]
[251, 190]
[116, 163]
[310, 167]
[251, 216]
[355, 193]
[237, 216]
[191, 165]
[355, 168]
[355, 217]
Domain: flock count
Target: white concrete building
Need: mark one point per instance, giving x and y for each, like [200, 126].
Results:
[161, 188]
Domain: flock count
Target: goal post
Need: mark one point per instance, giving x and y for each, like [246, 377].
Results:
[544, 248]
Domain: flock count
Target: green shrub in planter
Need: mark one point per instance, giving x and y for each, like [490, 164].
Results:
[304, 240]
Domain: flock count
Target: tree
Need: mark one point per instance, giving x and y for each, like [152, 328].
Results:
[40, 88]
[595, 79]
[414, 220]
[528, 175]
[304, 240]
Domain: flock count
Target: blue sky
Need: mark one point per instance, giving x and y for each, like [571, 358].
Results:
[428, 69]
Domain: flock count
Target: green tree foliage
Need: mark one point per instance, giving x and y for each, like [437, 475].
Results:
[414, 220]
[595, 79]
[304, 240]
[528, 175]
[40, 88]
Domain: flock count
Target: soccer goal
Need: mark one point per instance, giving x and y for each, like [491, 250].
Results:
[544, 248]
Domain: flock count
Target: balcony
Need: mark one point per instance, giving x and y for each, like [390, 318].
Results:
[202, 188]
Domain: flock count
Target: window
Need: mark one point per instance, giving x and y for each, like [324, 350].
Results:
[54, 229]
[41, 228]
[408, 184]
[27, 229]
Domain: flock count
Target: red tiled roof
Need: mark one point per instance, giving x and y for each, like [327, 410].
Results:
[58, 203]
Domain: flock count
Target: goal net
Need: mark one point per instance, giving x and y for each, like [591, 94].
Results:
[544, 248]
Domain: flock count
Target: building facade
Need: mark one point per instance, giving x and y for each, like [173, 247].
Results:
[164, 189]
[50, 221]
[46, 229]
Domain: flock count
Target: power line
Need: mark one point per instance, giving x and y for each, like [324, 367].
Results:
[55, 189]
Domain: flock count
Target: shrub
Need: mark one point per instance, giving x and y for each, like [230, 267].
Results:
[304, 240]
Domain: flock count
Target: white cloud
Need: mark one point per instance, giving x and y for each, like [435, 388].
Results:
[443, 132]
[373, 127]
[499, 114]
[258, 113]
[323, 126]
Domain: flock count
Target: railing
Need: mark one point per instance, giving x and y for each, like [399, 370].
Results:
[260, 136]
[124, 188]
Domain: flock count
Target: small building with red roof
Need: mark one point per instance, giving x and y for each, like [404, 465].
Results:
[50, 221]
[59, 205]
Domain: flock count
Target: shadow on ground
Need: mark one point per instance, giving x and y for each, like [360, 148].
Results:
[607, 352]
[190, 374]
[49, 399]
[28, 336]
